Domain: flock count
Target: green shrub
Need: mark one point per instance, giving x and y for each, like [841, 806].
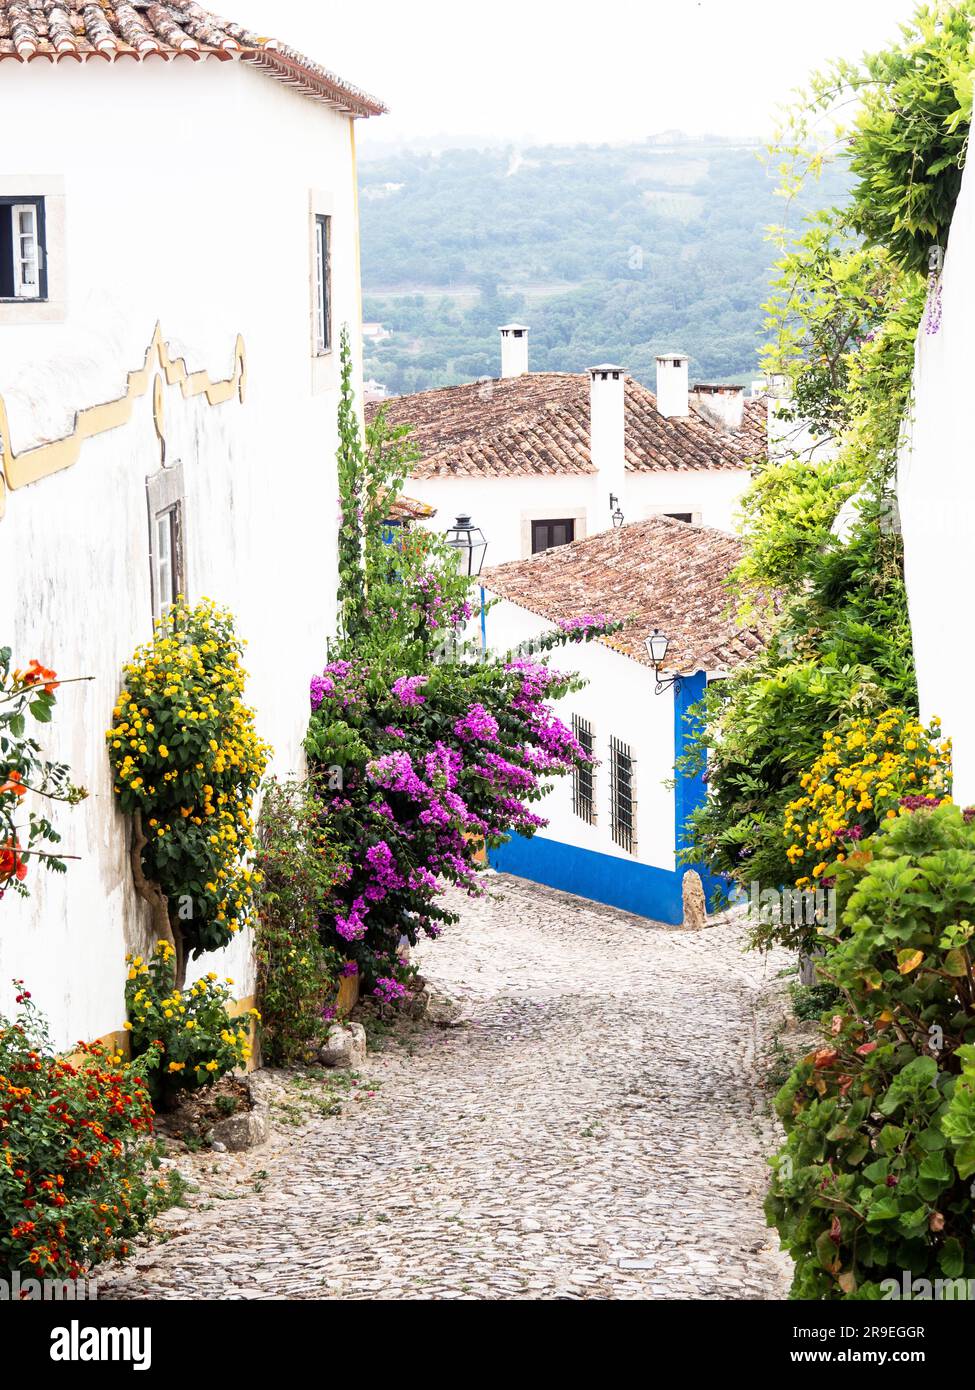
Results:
[874, 1179]
[189, 1034]
[297, 974]
[75, 1147]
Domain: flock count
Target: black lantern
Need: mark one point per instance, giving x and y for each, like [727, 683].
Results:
[470, 543]
[616, 511]
[657, 644]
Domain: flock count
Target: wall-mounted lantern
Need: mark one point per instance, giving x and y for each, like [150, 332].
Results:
[616, 511]
[657, 644]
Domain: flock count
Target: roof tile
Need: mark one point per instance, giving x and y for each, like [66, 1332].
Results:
[657, 573]
[538, 423]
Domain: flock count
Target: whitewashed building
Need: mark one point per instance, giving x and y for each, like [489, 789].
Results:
[178, 254]
[614, 833]
[540, 459]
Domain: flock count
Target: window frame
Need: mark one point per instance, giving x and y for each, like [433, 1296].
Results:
[323, 283]
[11, 204]
[165, 498]
[584, 778]
[569, 522]
[622, 795]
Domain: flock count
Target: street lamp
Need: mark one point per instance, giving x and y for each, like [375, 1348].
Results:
[615, 510]
[470, 543]
[657, 644]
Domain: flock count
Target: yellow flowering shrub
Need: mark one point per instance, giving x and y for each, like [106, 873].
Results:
[196, 1039]
[859, 780]
[187, 762]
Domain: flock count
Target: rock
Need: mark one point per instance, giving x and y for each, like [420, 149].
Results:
[695, 903]
[444, 1012]
[242, 1131]
[344, 1047]
[418, 1004]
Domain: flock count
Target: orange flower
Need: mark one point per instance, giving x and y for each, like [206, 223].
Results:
[11, 862]
[36, 674]
[14, 785]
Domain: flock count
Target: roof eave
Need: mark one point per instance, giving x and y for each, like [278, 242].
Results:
[288, 68]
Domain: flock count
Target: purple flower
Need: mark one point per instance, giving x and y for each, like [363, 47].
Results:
[406, 690]
[477, 724]
[389, 991]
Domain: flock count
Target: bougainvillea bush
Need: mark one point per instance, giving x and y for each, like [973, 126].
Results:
[188, 1036]
[75, 1151]
[875, 1178]
[26, 773]
[428, 767]
[425, 750]
[187, 764]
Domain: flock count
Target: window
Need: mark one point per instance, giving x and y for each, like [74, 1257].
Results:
[166, 568]
[583, 778]
[546, 534]
[23, 264]
[323, 284]
[622, 795]
[680, 516]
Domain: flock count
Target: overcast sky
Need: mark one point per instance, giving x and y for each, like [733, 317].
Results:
[565, 71]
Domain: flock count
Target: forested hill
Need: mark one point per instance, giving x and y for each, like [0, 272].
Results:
[606, 252]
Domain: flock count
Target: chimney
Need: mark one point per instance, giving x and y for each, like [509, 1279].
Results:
[514, 349]
[723, 406]
[607, 449]
[672, 384]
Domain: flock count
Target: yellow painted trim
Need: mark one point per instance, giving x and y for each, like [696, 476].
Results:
[31, 465]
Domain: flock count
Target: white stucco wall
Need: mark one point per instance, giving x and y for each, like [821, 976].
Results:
[505, 507]
[188, 195]
[619, 701]
[936, 495]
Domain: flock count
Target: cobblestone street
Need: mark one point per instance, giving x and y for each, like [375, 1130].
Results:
[592, 1128]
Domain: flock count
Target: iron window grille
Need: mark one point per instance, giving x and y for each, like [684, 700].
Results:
[584, 778]
[622, 795]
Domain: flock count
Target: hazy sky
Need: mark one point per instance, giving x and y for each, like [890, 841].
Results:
[613, 70]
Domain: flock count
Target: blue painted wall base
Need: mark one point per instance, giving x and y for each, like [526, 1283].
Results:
[603, 878]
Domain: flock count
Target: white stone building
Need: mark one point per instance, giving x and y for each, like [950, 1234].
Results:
[936, 496]
[614, 834]
[178, 254]
[543, 458]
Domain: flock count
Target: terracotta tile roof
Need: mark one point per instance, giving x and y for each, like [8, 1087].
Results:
[409, 509]
[141, 29]
[539, 423]
[651, 574]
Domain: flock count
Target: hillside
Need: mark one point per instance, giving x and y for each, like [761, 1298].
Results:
[606, 252]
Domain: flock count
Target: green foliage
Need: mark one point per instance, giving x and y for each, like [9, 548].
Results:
[26, 772]
[841, 650]
[75, 1148]
[906, 140]
[810, 1002]
[351, 478]
[608, 253]
[189, 1035]
[875, 1175]
[297, 975]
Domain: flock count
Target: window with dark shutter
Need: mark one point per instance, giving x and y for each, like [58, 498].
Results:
[546, 534]
[23, 262]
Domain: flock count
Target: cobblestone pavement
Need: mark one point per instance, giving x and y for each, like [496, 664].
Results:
[593, 1128]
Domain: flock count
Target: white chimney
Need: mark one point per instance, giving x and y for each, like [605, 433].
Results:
[672, 384]
[514, 349]
[607, 442]
[723, 406]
